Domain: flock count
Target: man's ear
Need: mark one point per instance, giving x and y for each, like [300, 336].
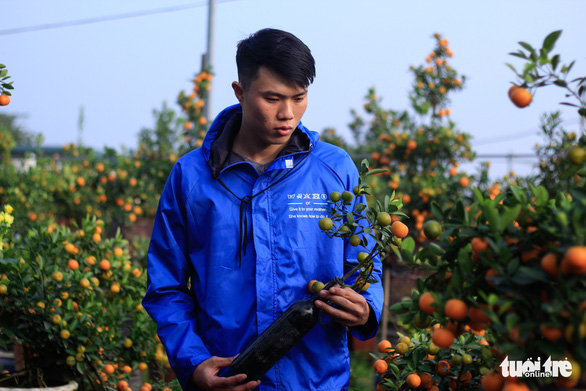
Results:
[238, 90]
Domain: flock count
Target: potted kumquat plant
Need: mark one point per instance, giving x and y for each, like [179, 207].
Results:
[70, 301]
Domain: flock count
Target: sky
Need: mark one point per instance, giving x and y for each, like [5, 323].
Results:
[120, 70]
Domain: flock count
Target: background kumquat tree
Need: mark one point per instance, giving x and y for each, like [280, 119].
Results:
[420, 152]
[72, 300]
[503, 271]
[71, 285]
[511, 267]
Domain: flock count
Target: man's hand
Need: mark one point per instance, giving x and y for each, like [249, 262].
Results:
[206, 377]
[352, 308]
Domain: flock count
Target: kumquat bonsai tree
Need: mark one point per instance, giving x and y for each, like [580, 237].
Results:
[352, 220]
[71, 301]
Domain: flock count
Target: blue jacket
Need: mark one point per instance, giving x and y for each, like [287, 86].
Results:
[219, 273]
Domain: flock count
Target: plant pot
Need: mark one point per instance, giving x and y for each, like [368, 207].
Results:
[71, 386]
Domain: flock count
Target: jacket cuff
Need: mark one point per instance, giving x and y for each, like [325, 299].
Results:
[367, 330]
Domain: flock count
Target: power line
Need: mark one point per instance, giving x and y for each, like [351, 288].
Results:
[515, 136]
[100, 19]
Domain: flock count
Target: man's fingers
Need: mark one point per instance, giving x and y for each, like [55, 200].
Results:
[231, 382]
[221, 362]
[248, 386]
[346, 299]
[234, 383]
[341, 317]
[206, 376]
[351, 306]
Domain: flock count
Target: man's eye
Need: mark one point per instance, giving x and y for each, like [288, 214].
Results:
[300, 99]
[272, 100]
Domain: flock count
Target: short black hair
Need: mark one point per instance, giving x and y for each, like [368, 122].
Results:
[279, 51]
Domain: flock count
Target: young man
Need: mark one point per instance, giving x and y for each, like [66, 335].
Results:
[236, 236]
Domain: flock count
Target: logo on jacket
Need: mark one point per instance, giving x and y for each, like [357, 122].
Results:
[307, 205]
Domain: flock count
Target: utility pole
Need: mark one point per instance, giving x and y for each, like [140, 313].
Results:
[209, 56]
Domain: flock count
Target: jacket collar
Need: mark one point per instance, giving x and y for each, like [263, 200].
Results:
[219, 139]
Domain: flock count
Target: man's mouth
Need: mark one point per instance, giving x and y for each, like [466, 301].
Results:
[284, 130]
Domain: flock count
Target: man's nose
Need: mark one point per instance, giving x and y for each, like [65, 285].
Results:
[285, 111]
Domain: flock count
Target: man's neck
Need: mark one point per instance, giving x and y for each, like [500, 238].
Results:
[260, 153]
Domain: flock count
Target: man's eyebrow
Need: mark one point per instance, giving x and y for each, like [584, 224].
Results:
[273, 93]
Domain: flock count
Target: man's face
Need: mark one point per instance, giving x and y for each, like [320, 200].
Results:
[272, 107]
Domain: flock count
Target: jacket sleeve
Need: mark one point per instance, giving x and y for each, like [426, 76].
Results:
[168, 299]
[374, 295]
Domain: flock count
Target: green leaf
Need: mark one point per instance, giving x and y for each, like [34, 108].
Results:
[550, 40]
[436, 249]
[3, 72]
[527, 275]
[376, 171]
[582, 112]
[570, 66]
[492, 216]
[9, 333]
[493, 299]
[478, 195]
[555, 61]
[560, 82]
[350, 218]
[569, 172]
[510, 214]
[529, 78]
[518, 194]
[511, 66]
[527, 47]
[437, 211]
[465, 262]
[364, 166]
[520, 55]
[541, 196]
[461, 212]
[408, 244]
[395, 370]
[407, 247]
[399, 308]
[387, 201]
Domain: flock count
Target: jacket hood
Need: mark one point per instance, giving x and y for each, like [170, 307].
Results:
[222, 119]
